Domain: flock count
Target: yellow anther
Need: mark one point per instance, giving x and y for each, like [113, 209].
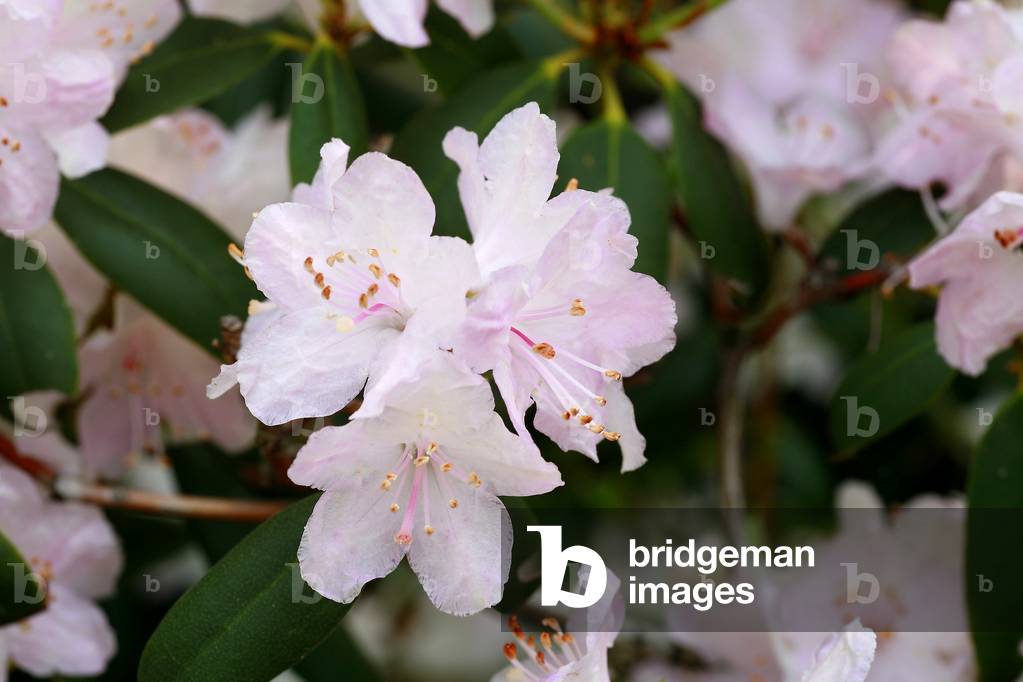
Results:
[395, 507]
[429, 530]
[373, 289]
[373, 252]
[385, 485]
[391, 476]
[422, 460]
[376, 270]
[612, 374]
[545, 350]
[308, 263]
[600, 400]
[431, 448]
[585, 419]
[363, 301]
[326, 292]
[611, 435]
[474, 480]
[446, 467]
[453, 503]
[595, 427]
[394, 279]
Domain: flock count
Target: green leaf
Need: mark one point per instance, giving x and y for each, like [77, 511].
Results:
[891, 223]
[717, 208]
[334, 108]
[37, 331]
[338, 652]
[162, 251]
[884, 389]
[994, 545]
[21, 592]
[201, 59]
[609, 153]
[453, 57]
[476, 107]
[246, 619]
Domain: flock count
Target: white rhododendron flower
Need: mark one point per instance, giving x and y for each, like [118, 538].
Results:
[788, 100]
[399, 21]
[979, 267]
[562, 317]
[359, 287]
[60, 63]
[961, 103]
[420, 479]
[560, 655]
[144, 381]
[74, 549]
[228, 173]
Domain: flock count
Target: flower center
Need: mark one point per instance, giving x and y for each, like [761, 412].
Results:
[428, 466]
[576, 401]
[559, 649]
[355, 289]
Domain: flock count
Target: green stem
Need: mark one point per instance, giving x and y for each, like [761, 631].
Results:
[660, 74]
[288, 41]
[565, 22]
[677, 18]
[614, 110]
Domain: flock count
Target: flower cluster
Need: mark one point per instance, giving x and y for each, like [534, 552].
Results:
[60, 63]
[361, 297]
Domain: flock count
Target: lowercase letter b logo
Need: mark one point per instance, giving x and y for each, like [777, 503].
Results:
[553, 564]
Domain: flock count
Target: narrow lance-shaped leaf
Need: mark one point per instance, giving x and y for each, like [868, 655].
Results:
[717, 208]
[994, 546]
[609, 153]
[37, 333]
[886, 388]
[478, 107]
[250, 618]
[325, 103]
[21, 592]
[201, 59]
[162, 251]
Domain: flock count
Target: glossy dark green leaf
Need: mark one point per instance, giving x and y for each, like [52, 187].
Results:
[453, 57]
[884, 389]
[717, 208]
[891, 223]
[339, 652]
[994, 546]
[250, 618]
[21, 592]
[609, 153]
[327, 104]
[37, 332]
[201, 59]
[478, 107]
[162, 251]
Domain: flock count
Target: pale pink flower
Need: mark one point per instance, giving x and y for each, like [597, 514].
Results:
[359, 287]
[979, 267]
[399, 21]
[37, 432]
[145, 383]
[781, 87]
[959, 104]
[73, 548]
[562, 318]
[420, 479]
[60, 63]
[83, 287]
[228, 173]
[558, 655]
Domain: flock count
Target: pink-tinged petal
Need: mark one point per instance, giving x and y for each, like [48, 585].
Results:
[622, 418]
[441, 272]
[399, 21]
[70, 637]
[108, 431]
[926, 59]
[347, 457]
[348, 541]
[511, 464]
[846, 656]
[941, 147]
[973, 325]
[28, 181]
[25, 27]
[19, 493]
[123, 32]
[80, 544]
[475, 16]
[80, 150]
[483, 341]
[505, 184]
[280, 240]
[301, 365]
[80, 87]
[381, 203]
[240, 12]
[779, 195]
[515, 382]
[333, 163]
[1007, 86]
[464, 563]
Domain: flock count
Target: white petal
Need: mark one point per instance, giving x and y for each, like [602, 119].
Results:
[464, 564]
[846, 657]
[475, 16]
[348, 541]
[240, 12]
[347, 457]
[80, 150]
[300, 365]
[399, 21]
[28, 181]
[83, 549]
[381, 203]
[333, 163]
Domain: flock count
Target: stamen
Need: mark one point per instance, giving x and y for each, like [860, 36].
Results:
[577, 309]
[446, 467]
[326, 292]
[309, 264]
[595, 427]
[373, 252]
[394, 279]
[474, 480]
[612, 436]
[429, 530]
[376, 270]
[422, 459]
[545, 350]
[453, 503]
[395, 507]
